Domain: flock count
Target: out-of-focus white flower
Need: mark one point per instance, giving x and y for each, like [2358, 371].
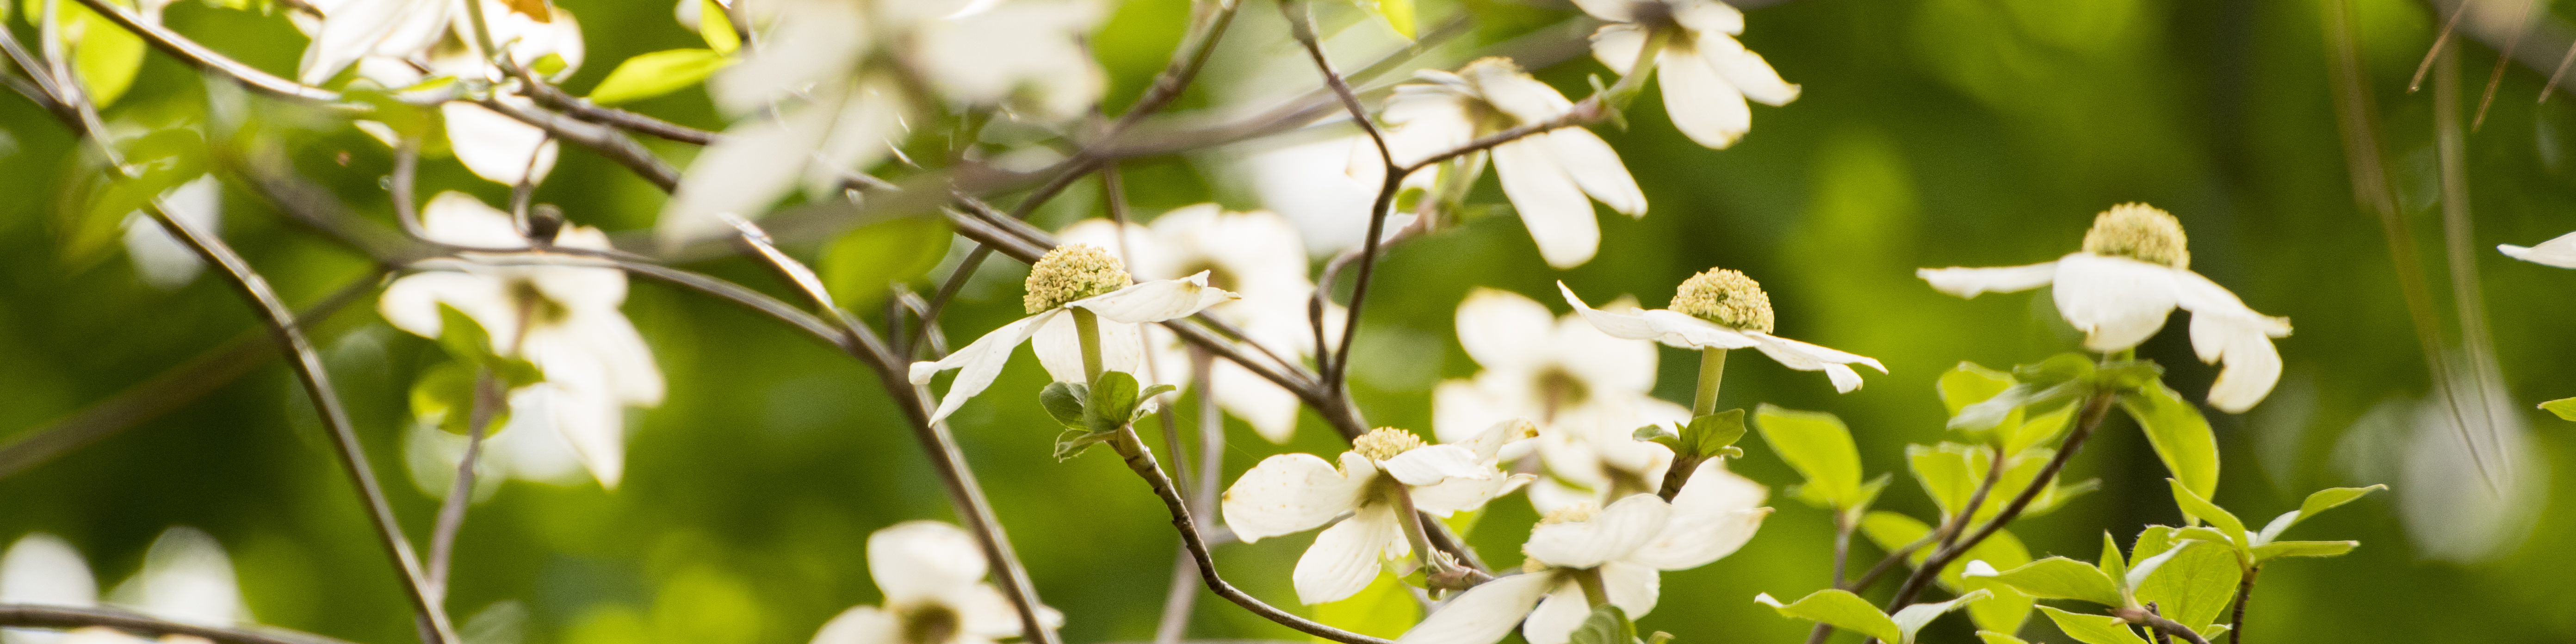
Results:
[2559, 252]
[527, 38]
[1547, 175]
[1253, 254]
[1557, 372]
[496, 147]
[186, 578]
[1624, 545]
[161, 259]
[1311, 185]
[2133, 271]
[564, 319]
[1706, 74]
[1025, 56]
[1073, 276]
[350, 30]
[932, 575]
[1599, 460]
[1291, 493]
[1723, 309]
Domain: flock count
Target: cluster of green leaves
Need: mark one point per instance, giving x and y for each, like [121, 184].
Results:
[449, 389]
[1706, 437]
[1094, 413]
[1847, 611]
[662, 72]
[1609, 624]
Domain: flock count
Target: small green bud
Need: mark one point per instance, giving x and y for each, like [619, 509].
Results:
[2140, 232]
[1726, 297]
[1385, 442]
[1072, 272]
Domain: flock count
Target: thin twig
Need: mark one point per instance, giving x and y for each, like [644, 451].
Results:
[488, 405]
[2244, 593]
[203, 58]
[68, 618]
[1923, 575]
[2159, 624]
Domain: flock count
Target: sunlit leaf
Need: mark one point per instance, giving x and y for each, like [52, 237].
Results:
[2063, 578]
[2179, 434]
[2093, 629]
[2279, 549]
[1383, 609]
[861, 268]
[1819, 447]
[716, 27]
[2194, 585]
[657, 73]
[2563, 407]
[1842, 610]
[2195, 506]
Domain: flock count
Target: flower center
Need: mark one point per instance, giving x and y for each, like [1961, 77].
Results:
[1577, 513]
[2140, 232]
[1385, 442]
[1558, 390]
[1726, 297]
[1072, 272]
[535, 309]
[928, 623]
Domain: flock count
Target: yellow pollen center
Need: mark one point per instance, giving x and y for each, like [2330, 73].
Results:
[1072, 272]
[2140, 232]
[1385, 442]
[1577, 513]
[1726, 297]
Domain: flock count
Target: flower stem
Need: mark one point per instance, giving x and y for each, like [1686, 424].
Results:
[1635, 80]
[1411, 521]
[2244, 593]
[1712, 370]
[1593, 594]
[1087, 325]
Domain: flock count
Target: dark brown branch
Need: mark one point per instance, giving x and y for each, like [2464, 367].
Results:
[605, 141]
[2244, 593]
[203, 58]
[68, 618]
[2159, 624]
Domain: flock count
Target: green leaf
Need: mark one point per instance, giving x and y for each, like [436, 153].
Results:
[2127, 375]
[461, 336]
[447, 392]
[2057, 369]
[861, 268]
[1891, 531]
[1063, 402]
[1841, 609]
[1969, 384]
[2112, 564]
[1911, 619]
[105, 57]
[549, 65]
[2179, 434]
[2204, 533]
[2331, 498]
[2038, 430]
[1706, 436]
[1820, 448]
[1112, 404]
[2194, 584]
[2152, 541]
[2093, 629]
[2563, 407]
[2278, 549]
[1383, 609]
[2063, 578]
[716, 27]
[1949, 473]
[1607, 624]
[2197, 507]
[1145, 405]
[654, 74]
[1992, 637]
[1073, 442]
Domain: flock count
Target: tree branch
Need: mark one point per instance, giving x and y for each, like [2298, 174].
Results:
[67, 618]
[2091, 417]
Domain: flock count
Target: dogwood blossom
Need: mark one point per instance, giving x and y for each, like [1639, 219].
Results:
[1723, 309]
[397, 44]
[1291, 493]
[1550, 177]
[2559, 252]
[2133, 271]
[564, 319]
[1256, 255]
[1620, 547]
[932, 575]
[1706, 74]
[186, 578]
[161, 259]
[1073, 277]
[1600, 461]
[1558, 372]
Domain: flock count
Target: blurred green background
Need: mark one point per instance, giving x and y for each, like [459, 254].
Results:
[1930, 133]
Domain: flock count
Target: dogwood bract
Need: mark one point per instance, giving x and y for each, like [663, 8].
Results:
[2133, 271]
[1547, 175]
[1706, 74]
[2559, 252]
[1558, 372]
[1291, 493]
[932, 575]
[1073, 277]
[1723, 309]
[1618, 549]
[1600, 461]
[186, 578]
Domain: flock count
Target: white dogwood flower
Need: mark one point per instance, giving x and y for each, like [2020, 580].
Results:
[1256, 255]
[1705, 73]
[2133, 271]
[186, 578]
[564, 319]
[2559, 252]
[1600, 461]
[932, 574]
[1621, 547]
[1291, 493]
[1071, 277]
[161, 259]
[1724, 309]
[1547, 175]
[1557, 372]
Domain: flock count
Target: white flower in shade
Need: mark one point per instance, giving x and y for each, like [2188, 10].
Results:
[1601, 461]
[496, 147]
[186, 578]
[1556, 372]
[1706, 74]
[160, 258]
[348, 31]
[2559, 252]
[1291, 493]
[1025, 56]
[1073, 276]
[932, 575]
[562, 318]
[1625, 544]
[1551, 177]
[1723, 309]
[2133, 271]
[1255, 255]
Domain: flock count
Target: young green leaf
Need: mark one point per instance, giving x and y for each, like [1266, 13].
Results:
[1992, 637]
[447, 391]
[1063, 402]
[2093, 629]
[1073, 442]
[2195, 506]
[1383, 609]
[2193, 584]
[653, 74]
[2179, 434]
[861, 267]
[2063, 578]
[2331, 498]
[2563, 407]
[1968, 384]
[1946, 474]
[716, 27]
[1840, 609]
[2278, 549]
[2038, 430]
[1113, 402]
[104, 55]
[1820, 448]
[2112, 564]
[1911, 619]
[1608, 624]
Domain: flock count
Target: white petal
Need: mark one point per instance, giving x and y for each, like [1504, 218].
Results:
[1702, 104]
[2116, 301]
[1430, 464]
[984, 612]
[161, 259]
[2202, 297]
[861, 625]
[1460, 408]
[1807, 357]
[462, 219]
[1696, 537]
[1607, 366]
[1157, 300]
[1658, 325]
[1503, 330]
[1483, 614]
[2559, 252]
[1558, 215]
[411, 304]
[924, 559]
[1556, 617]
[1612, 534]
[1969, 282]
[1631, 587]
[808, 43]
[1344, 558]
[187, 578]
[1707, 16]
[755, 163]
[355, 29]
[586, 411]
[498, 148]
[1596, 168]
[44, 569]
[2253, 366]
[1059, 349]
[1488, 445]
[1517, 94]
[1745, 70]
[1294, 492]
[978, 362]
[870, 123]
[1617, 45]
[1271, 410]
[1456, 495]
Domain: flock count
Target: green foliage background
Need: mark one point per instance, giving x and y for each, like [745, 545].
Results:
[1931, 133]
